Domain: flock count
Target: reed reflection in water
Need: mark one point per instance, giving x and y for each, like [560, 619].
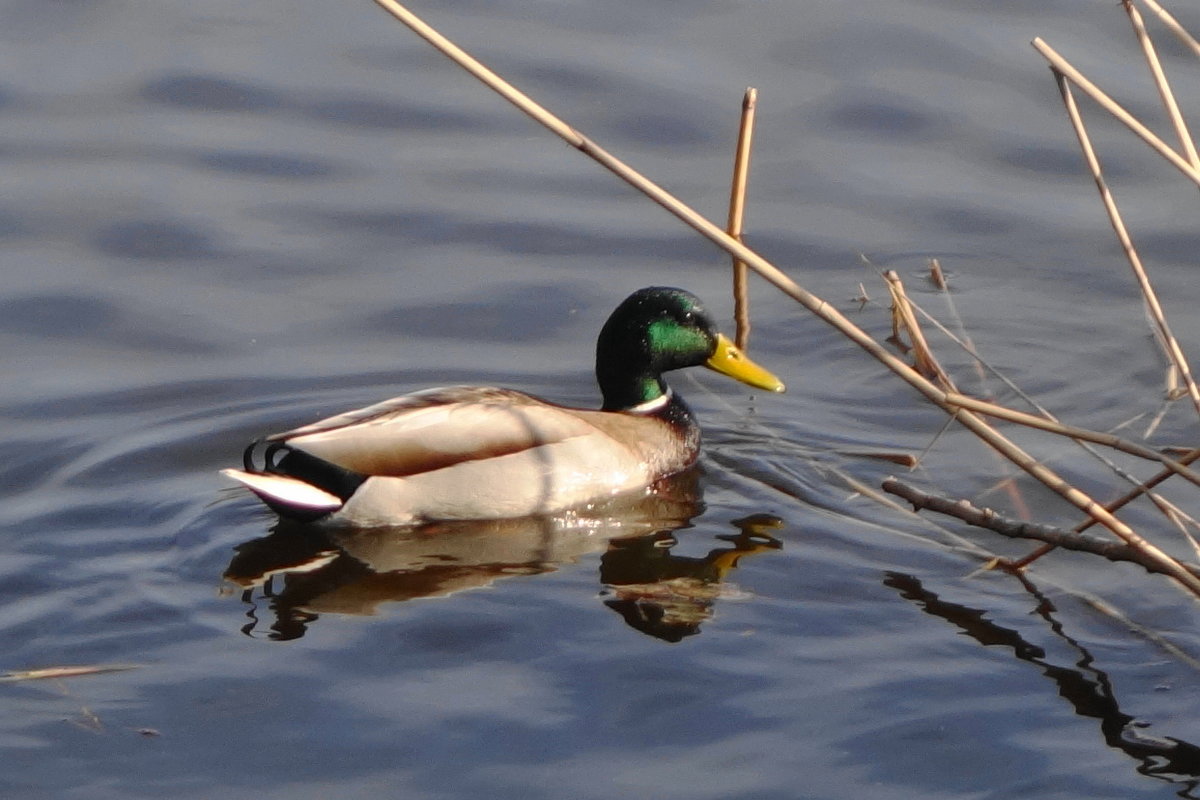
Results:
[1086, 687]
[350, 570]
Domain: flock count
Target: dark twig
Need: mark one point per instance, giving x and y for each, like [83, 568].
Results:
[1015, 529]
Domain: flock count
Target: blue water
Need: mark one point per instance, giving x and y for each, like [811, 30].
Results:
[222, 220]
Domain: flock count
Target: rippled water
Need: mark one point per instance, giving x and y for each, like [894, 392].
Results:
[225, 219]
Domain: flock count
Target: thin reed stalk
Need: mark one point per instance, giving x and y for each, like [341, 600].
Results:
[1113, 107]
[779, 279]
[902, 313]
[1167, 339]
[1009, 486]
[1080, 436]
[1114, 505]
[737, 213]
[1047, 422]
[1072, 432]
[1173, 25]
[1162, 84]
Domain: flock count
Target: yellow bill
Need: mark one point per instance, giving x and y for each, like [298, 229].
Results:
[727, 359]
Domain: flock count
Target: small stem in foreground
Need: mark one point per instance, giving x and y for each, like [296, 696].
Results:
[737, 212]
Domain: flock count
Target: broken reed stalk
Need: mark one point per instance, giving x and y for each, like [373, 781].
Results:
[1046, 422]
[737, 213]
[938, 277]
[939, 280]
[902, 313]
[1167, 339]
[1173, 25]
[1161, 82]
[780, 280]
[1113, 107]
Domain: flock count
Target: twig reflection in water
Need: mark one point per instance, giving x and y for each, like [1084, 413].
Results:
[1087, 688]
[353, 570]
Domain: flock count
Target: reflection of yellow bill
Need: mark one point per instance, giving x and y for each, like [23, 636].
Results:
[727, 359]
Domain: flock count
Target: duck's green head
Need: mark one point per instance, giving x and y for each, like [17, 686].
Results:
[659, 329]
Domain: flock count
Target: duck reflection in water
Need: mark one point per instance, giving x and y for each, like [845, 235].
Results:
[668, 596]
[350, 570]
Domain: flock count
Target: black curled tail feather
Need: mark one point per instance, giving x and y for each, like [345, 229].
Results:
[248, 455]
[270, 456]
[279, 458]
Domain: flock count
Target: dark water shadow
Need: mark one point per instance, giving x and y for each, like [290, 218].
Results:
[303, 572]
[1086, 687]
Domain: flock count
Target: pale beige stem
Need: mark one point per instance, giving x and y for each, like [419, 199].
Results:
[1170, 344]
[1173, 25]
[1164, 86]
[814, 304]
[737, 213]
[1046, 421]
[1084, 434]
[1113, 107]
[902, 309]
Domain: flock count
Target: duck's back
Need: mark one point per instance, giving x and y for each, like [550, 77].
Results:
[475, 452]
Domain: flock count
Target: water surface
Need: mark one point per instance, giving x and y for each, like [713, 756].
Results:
[221, 220]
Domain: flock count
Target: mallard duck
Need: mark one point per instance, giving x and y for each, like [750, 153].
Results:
[470, 452]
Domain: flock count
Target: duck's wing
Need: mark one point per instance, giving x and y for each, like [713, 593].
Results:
[437, 428]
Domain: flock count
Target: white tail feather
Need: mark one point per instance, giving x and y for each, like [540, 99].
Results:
[286, 491]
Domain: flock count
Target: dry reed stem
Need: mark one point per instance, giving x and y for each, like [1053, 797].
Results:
[1113, 505]
[1010, 487]
[47, 673]
[780, 280]
[1048, 422]
[899, 459]
[1051, 425]
[1161, 82]
[902, 314]
[737, 213]
[937, 276]
[1173, 25]
[1063, 66]
[1162, 329]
